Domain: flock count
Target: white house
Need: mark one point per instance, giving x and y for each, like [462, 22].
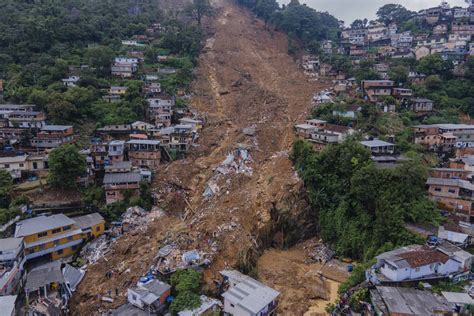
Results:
[377, 146]
[248, 297]
[12, 259]
[415, 262]
[150, 296]
[71, 81]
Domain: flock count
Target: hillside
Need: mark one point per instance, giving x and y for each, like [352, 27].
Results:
[245, 79]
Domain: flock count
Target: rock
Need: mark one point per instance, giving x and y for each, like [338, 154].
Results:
[249, 131]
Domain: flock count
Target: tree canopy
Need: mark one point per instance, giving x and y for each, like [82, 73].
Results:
[394, 13]
[361, 208]
[66, 164]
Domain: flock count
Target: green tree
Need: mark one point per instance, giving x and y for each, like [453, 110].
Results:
[434, 65]
[66, 164]
[185, 301]
[266, 9]
[199, 9]
[186, 280]
[394, 13]
[6, 184]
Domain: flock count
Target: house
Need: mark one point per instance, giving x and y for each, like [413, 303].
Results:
[196, 124]
[321, 138]
[454, 195]
[144, 153]
[142, 126]
[453, 234]
[462, 27]
[54, 236]
[123, 70]
[402, 94]
[408, 301]
[12, 260]
[377, 31]
[7, 305]
[208, 305]
[421, 105]
[304, 130]
[182, 137]
[116, 151]
[115, 130]
[450, 173]
[26, 119]
[46, 280]
[413, 263]
[151, 89]
[92, 225]
[379, 147]
[316, 123]
[118, 184]
[118, 90]
[15, 165]
[416, 77]
[421, 52]
[150, 296]
[160, 109]
[53, 136]
[111, 98]
[440, 29]
[248, 297]
[119, 167]
[7, 108]
[71, 81]
[126, 60]
[375, 89]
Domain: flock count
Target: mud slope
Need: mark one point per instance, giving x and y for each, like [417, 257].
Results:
[245, 79]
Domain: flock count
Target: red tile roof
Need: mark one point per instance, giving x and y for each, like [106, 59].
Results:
[424, 257]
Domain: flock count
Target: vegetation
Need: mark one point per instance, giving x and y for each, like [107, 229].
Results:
[355, 202]
[298, 20]
[6, 184]
[66, 165]
[41, 41]
[186, 284]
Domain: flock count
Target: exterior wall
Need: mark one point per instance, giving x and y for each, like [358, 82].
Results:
[455, 205]
[145, 159]
[449, 174]
[235, 310]
[444, 191]
[98, 230]
[134, 298]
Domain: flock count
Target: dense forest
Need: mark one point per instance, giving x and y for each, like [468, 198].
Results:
[40, 41]
[302, 24]
[362, 209]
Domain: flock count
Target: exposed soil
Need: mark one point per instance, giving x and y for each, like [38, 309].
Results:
[245, 79]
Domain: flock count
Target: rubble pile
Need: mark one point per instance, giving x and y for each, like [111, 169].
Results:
[96, 249]
[237, 162]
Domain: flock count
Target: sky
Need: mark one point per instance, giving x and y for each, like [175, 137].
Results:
[349, 10]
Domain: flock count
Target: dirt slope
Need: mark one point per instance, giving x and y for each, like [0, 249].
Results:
[245, 79]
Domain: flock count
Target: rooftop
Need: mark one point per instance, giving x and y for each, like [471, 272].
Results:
[143, 142]
[376, 143]
[7, 244]
[13, 159]
[304, 126]
[44, 275]
[87, 221]
[7, 304]
[248, 293]
[450, 182]
[413, 256]
[56, 128]
[125, 177]
[410, 301]
[41, 223]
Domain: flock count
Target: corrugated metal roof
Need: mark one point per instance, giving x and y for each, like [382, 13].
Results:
[89, 220]
[44, 275]
[41, 223]
[124, 177]
[56, 127]
[10, 243]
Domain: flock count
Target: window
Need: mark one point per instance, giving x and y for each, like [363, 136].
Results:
[42, 234]
[417, 269]
[60, 251]
[134, 297]
[70, 238]
[97, 228]
[451, 190]
[7, 166]
[67, 227]
[22, 165]
[57, 242]
[232, 305]
[437, 189]
[57, 230]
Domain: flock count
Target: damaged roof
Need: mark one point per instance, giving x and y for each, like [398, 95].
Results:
[44, 275]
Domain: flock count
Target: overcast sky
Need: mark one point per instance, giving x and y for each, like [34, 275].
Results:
[349, 10]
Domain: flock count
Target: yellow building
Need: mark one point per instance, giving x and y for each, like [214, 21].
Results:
[56, 236]
[92, 225]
